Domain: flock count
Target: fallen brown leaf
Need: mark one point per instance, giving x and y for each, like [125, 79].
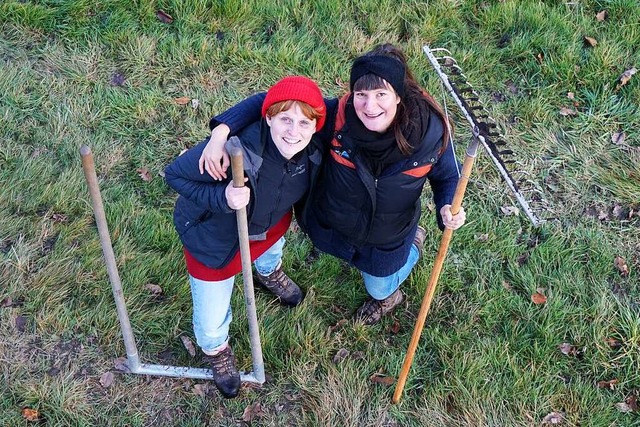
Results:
[199, 390]
[251, 412]
[621, 265]
[144, 174]
[183, 100]
[30, 414]
[188, 345]
[618, 137]
[106, 379]
[58, 218]
[538, 298]
[623, 407]
[613, 343]
[395, 327]
[601, 16]
[120, 364]
[571, 95]
[567, 349]
[590, 41]
[610, 384]
[164, 17]
[340, 355]
[553, 418]
[632, 401]
[154, 289]
[6, 302]
[625, 77]
[382, 379]
[565, 111]
[510, 210]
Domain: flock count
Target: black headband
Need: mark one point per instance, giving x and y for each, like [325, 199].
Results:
[390, 69]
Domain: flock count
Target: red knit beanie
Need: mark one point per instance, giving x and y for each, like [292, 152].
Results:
[297, 88]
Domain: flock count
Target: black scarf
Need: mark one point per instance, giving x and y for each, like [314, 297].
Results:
[380, 150]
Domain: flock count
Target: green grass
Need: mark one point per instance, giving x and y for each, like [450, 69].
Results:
[106, 74]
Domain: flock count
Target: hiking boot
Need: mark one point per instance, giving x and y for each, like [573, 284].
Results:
[418, 240]
[281, 286]
[225, 375]
[372, 310]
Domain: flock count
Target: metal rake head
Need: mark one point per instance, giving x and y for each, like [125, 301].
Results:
[486, 129]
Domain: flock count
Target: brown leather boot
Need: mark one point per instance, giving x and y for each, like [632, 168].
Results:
[281, 286]
[418, 240]
[225, 374]
[372, 310]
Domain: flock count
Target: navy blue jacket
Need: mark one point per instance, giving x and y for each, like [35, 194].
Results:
[204, 221]
[369, 222]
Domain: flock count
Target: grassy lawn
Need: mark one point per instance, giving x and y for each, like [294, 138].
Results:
[138, 88]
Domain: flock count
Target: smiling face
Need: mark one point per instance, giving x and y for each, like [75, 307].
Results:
[291, 130]
[376, 108]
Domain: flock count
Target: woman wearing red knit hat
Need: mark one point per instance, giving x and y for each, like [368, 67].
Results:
[281, 161]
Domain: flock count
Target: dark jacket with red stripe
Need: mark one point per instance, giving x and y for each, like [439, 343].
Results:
[369, 222]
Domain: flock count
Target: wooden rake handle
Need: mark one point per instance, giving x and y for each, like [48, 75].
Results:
[435, 272]
[247, 276]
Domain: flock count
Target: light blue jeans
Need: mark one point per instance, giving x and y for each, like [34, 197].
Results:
[212, 301]
[382, 287]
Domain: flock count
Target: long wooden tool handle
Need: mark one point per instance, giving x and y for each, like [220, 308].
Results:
[435, 273]
[247, 276]
[89, 169]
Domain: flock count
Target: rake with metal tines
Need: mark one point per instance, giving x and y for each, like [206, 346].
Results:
[485, 132]
[468, 100]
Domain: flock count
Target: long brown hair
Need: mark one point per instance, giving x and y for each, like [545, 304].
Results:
[409, 102]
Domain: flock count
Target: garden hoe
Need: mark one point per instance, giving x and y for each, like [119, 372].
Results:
[484, 131]
[133, 363]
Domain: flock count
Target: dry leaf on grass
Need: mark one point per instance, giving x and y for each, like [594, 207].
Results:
[553, 418]
[154, 289]
[200, 390]
[610, 384]
[106, 379]
[164, 17]
[590, 41]
[621, 265]
[565, 111]
[183, 100]
[510, 210]
[625, 77]
[613, 343]
[618, 138]
[30, 414]
[144, 174]
[58, 218]
[251, 412]
[623, 407]
[602, 15]
[121, 364]
[538, 298]
[340, 355]
[567, 349]
[382, 379]
[395, 327]
[188, 345]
